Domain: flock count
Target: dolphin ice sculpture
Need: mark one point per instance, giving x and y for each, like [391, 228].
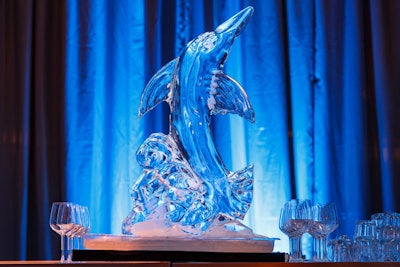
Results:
[185, 188]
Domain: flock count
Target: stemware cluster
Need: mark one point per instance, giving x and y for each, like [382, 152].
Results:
[375, 240]
[387, 236]
[299, 217]
[70, 221]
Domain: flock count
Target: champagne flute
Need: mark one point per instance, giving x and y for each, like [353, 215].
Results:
[294, 222]
[62, 221]
[324, 221]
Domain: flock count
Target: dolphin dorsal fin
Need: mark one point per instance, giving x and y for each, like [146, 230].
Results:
[158, 88]
[229, 97]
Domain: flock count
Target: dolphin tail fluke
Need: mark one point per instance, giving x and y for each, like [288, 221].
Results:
[230, 97]
[241, 183]
[158, 88]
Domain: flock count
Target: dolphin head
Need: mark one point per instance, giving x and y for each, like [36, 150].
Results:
[217, 44]
[232, 28]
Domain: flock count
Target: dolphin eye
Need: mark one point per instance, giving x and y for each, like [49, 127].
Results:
[209, 43]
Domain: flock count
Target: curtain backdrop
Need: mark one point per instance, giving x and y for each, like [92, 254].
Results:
[323, 78]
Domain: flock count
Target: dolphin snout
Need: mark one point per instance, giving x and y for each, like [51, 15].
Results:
[236, 23]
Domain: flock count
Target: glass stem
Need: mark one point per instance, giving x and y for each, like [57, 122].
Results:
[78, 244]
[64, 251]
[69, 249]
[295, 249]
[320, 249]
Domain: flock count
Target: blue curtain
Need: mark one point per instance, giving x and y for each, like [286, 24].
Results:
[323, 78]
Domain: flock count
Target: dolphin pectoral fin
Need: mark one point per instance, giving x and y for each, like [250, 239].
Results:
[241, 185]
[230, 97]
[158, 88]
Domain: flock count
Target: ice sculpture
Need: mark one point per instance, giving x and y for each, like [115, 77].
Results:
[185, 188]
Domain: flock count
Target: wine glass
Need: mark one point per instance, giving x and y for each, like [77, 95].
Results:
[324, 221]
[85, 222]
[294, 222]
[62, 221]
[78, 227]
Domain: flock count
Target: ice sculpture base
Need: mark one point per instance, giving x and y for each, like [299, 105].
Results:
[129, 243]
